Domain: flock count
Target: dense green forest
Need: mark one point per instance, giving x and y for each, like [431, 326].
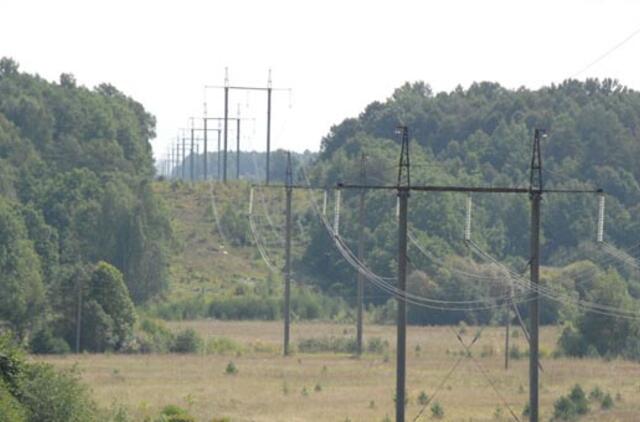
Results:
[81, 230]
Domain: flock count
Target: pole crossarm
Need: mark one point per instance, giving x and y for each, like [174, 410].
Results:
[468, 189]
[246, 88]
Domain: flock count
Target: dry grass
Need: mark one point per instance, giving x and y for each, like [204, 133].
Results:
[269, 387]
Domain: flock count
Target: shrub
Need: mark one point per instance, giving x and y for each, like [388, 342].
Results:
[579, 398]
[187, 341]
[596, 394]
[423, 399]
[55, 396]
[437, 411]
[377, 345]
[11, 409]
[328, 344]
[231, 369]
[571, 406]
[173, 413]
[607, 402]
[223, 345]
[154, 337]
[45, 343]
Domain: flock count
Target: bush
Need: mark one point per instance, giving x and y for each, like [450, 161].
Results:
[187, 341]
[55, 396]
[173, 413]
[45, 343]
[154, 337]
[423, 398]
[437, 411]
[607, 402]
[10, 408]
[571, 406]
[328, 344]
[223, 346]
[377, 345]
[231, 369]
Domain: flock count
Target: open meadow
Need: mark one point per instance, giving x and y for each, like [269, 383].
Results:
[338, 387]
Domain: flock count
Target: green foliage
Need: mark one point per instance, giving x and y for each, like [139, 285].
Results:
[572, 406]
[481, 135]
[36, 392]
[607, 402]
[75, 171]
[423, 398]
[187, 341]
[327, 344]
[437, 411]
[173, 413]
[154, 337]
[595, 335]
[44, 342]
[231, 369]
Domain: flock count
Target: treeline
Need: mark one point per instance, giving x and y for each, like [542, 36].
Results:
[75, 191]
[482, 136]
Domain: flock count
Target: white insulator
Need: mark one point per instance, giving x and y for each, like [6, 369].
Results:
[600, 236]
[467, 227]
[398, 207]
[336, 216]
[324, 203]
[251, 201]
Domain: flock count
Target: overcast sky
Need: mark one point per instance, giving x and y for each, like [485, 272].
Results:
[337, 56]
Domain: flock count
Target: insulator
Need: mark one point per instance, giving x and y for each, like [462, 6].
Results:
[467, 227]
[251, 201]
[600, 235]
[397, 207]
[336, 216]
[324, 203]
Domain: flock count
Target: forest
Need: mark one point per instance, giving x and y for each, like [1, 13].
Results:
[79, 221]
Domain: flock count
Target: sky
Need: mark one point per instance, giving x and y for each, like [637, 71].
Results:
[334, 56]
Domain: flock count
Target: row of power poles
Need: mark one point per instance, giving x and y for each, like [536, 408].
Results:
[174, 160]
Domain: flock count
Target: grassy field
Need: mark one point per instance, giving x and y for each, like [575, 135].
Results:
[339, 387]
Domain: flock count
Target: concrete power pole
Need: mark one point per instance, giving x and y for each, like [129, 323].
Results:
[287, 251]
[360, 298]
[404, 186]
[535, 188]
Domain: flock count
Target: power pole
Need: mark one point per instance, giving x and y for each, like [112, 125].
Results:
[238, 145]
[226, 128]
[78, 313]
[205, 158]
[191, 156]
[535, 189]
[363, 181]
[184, 156]
[287, 251]
[507, 325]
[404, 183]
[269, 89]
